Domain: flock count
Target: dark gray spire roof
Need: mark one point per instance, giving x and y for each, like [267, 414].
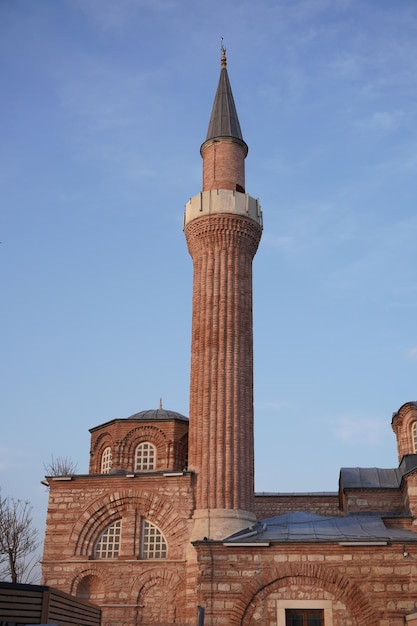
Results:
[224, 121]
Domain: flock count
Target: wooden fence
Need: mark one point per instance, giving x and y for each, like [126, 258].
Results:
[35, 604]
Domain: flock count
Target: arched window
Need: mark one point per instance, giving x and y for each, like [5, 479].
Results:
[108, 544]
[145, 456]
[106, 459]
[414, 436]
[154, 545]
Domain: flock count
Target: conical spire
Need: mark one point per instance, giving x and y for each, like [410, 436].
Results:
[224, 121]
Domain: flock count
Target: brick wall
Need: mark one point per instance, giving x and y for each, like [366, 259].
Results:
[169, 437]
[272, 505]
[402, 423]
[224, 164]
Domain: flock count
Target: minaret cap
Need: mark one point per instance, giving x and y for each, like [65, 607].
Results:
[224, 122]
[223, 58]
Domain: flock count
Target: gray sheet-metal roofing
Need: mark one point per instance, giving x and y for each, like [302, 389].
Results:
[224, 121]
[370, 477]
[377, 477]
[302, 527]
[158, 414]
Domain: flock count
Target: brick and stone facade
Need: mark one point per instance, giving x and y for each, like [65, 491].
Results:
[167, 521]
[130, 589]
[358, 585]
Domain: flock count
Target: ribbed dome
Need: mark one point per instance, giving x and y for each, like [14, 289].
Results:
[158, 414]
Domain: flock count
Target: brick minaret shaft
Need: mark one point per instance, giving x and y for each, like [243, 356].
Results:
[223, 228]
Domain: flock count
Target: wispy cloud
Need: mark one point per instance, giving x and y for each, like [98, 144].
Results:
[311, 225]
[279, 406]
[121, 15]
[283, 242]
[412, 353]
[9, 458]
[348, 65]
[104, 97]
[387, 252]
[356, 428]
[381, 120]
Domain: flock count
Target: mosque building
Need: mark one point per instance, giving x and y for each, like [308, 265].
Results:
[166, 528]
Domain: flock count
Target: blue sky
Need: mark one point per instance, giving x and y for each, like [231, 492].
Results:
[104, 106]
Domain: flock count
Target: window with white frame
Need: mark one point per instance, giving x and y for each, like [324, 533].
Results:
[154, 545]
[414, 435]
[145, 456]
[106, 460]
[108, 544]
[304, 613]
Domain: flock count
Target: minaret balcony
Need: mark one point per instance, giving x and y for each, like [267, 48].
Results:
[217, 201]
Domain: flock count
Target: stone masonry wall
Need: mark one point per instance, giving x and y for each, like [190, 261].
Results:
[381, 500]
[367, 586]
[127, 588]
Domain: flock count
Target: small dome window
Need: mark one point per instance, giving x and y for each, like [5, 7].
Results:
[106, 460]
[414, 436]
[145, 457]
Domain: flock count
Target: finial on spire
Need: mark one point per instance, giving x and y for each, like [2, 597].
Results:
[160, 403]
[223, 51]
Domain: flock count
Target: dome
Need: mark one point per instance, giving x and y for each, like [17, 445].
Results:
[157, 415]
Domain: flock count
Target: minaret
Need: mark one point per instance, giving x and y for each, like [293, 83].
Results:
[223, 227]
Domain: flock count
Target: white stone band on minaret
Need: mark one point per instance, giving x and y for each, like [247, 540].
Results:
[217, 201]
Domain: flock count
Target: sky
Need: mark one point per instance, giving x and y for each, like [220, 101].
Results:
[104, 106]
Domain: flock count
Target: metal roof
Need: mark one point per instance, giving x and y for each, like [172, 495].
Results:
[158, 414]
[302, 527]
[370, 478]
[295, 494]
[377, 477]
[224, 121]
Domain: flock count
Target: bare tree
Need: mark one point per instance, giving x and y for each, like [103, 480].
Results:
[60, 466]
[18, 540]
